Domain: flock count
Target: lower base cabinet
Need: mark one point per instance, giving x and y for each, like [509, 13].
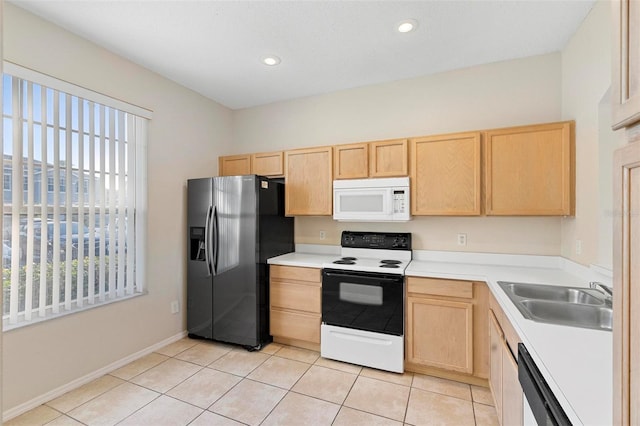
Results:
[503, 378]
[446, 331]
[294, 305]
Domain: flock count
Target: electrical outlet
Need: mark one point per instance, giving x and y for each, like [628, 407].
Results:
[578, 247]
[462, 239]
[175, 307]
[323, 235]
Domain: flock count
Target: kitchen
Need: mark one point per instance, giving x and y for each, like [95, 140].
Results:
[565, 85]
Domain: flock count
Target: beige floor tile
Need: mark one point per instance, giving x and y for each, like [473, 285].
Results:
[350, 417]
[204, 388]
[378, 397]
[175, 348]
[339, 365]
[443, 386]
[79, 396]
[212, 419]
[325, 383]
[248, 402]
[139, 366]
[280, 372]
[297, 409]
[204, 353]
[429, 408]
[239, 362]
[38, 416]
[403, 379]
[164, 376]
[481, 395]
[271, 348]
[64, 420]
[163, 411]
[485, 415]
[298, 354]
[114, 405]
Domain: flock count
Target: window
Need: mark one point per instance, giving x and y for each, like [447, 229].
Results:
[76, 243]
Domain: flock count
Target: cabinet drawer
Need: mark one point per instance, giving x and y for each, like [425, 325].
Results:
[438, 287]
[296, 326]
[295, 273]
[300, 297]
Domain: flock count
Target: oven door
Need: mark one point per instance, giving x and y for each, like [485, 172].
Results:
[363, 301]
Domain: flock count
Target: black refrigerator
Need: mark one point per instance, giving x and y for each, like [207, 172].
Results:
[235, 223]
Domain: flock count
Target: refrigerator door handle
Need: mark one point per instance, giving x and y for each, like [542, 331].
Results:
[207, 241]
[216, 240]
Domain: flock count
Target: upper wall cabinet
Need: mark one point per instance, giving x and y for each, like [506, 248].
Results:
[309, 182]
[388, 158]
[351, 161]
[626, 63]
[267, 164]
[233, 165]
[529, 170]
[445, 174]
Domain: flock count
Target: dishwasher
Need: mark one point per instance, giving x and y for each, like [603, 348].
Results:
[539, 399]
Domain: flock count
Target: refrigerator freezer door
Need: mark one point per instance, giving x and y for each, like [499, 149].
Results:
[235, 284]
[199, 288]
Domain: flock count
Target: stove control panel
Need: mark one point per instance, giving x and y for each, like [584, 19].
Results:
[376, 240]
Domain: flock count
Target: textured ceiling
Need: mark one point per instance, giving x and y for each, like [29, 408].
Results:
[215, 47]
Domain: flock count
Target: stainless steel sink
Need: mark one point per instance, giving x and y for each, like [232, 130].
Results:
[572, 306]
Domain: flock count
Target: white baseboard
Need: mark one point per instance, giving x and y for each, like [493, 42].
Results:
[39, 400]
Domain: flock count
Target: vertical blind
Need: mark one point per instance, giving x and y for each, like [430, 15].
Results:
[73, 201]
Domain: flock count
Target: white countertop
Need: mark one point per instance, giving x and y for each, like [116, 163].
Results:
[576, 362]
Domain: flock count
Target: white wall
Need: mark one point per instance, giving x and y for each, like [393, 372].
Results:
[502, 94]
[586, 78]
[186, 135]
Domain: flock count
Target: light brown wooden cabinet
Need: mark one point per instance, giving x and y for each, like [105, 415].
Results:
[530, 170]
[503, 377]
[233, 165]
[446, 329]
[268, 164]
[626, 282]
[295, 305]
[626, 63]
[389, 158]
[263, 164]
[446, 175]
[351, 161]
[309, 182]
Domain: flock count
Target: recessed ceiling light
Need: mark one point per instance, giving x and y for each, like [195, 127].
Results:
[407, 25]
[271, 60]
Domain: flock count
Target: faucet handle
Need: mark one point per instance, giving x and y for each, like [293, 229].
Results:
[604, 288]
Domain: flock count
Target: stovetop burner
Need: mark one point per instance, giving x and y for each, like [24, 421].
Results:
[390, 262]
[344, 262]
[389, 265]
[349, 258]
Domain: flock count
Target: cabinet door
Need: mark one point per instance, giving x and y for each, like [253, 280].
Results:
[234, 165]
[626, 63]
[511, 390]
[267, 164]
[351, 161]
[445, 175]
[388, 158]
[626, 282]
[495, 353]
[297, 296]
[309, 182]
[530, 170]
[295, 325]
[440, 334]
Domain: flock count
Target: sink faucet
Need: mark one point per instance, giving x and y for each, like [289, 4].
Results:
[608, 291]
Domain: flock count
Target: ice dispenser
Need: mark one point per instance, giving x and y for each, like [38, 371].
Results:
[197, 245]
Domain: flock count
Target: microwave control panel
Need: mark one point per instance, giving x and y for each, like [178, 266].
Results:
[399, 200]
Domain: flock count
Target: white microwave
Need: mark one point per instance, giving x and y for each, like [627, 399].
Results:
[372, 200]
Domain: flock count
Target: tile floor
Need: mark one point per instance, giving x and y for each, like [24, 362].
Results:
[194, 382]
